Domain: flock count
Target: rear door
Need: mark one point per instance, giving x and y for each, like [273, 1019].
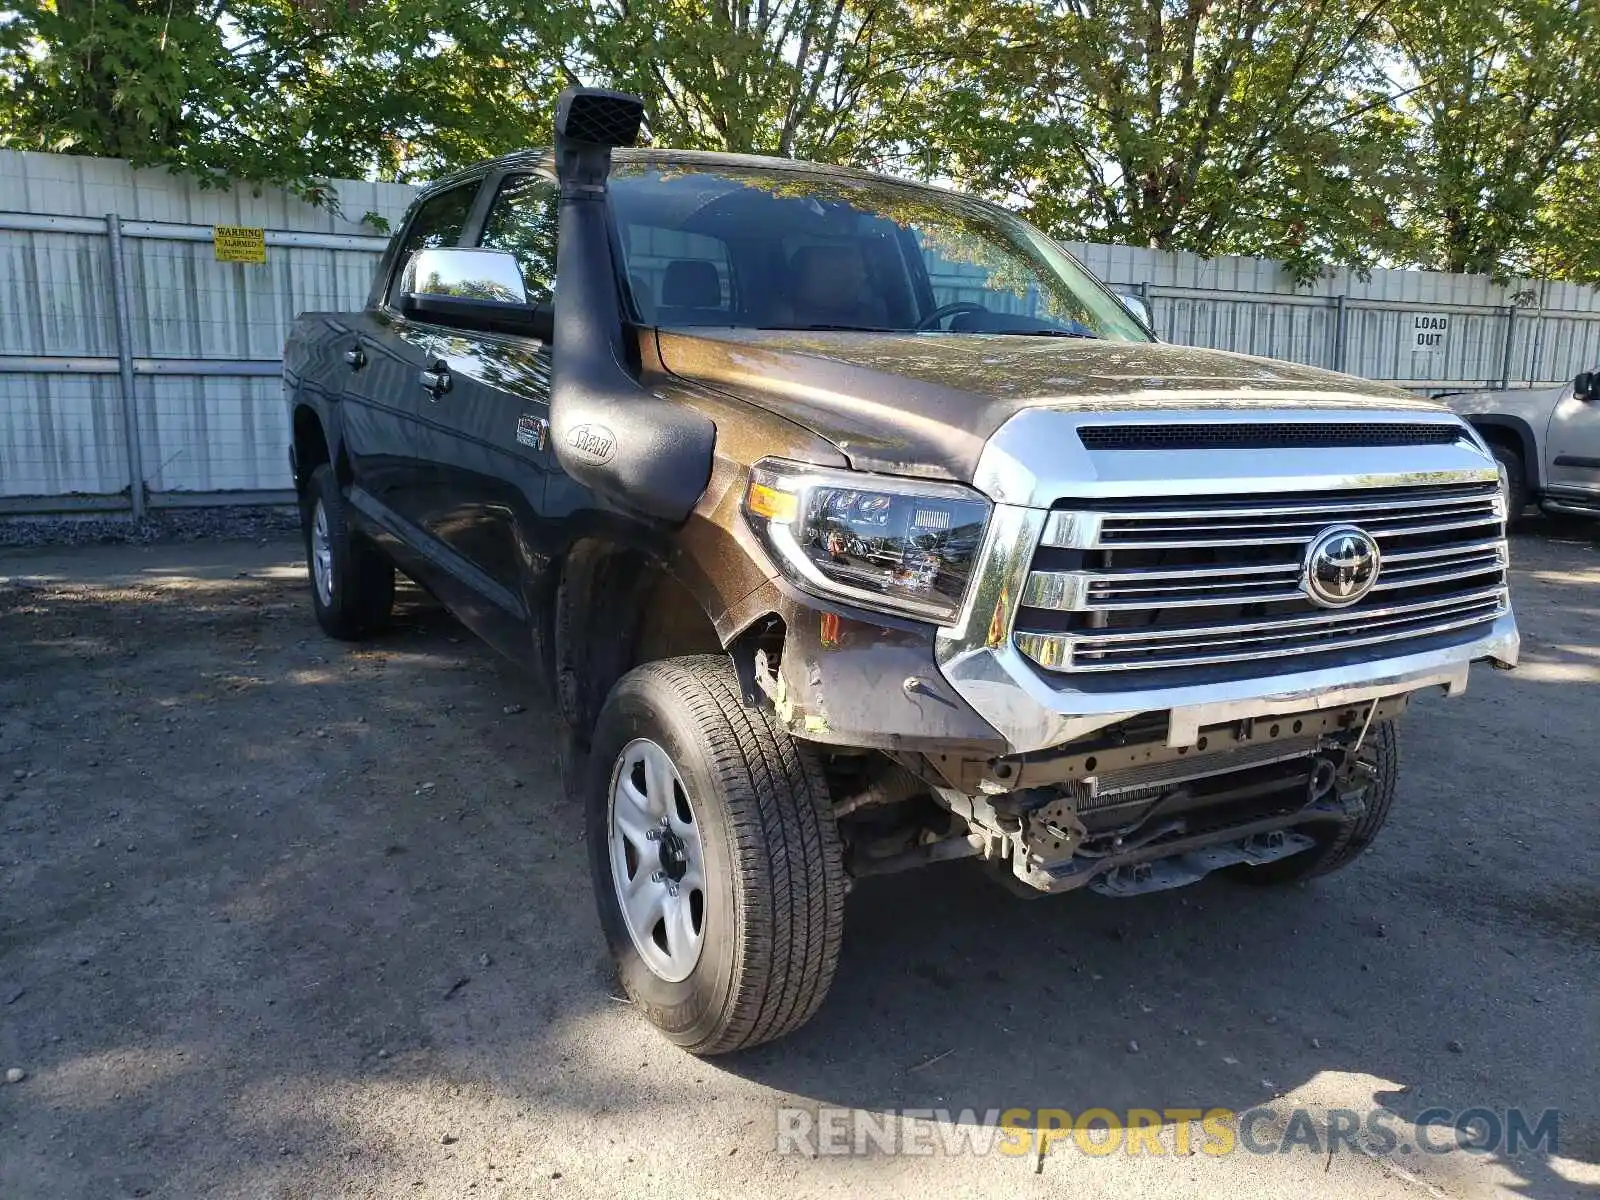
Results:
[1574, 446]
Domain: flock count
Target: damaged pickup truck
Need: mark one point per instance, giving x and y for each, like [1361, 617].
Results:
[854, 526]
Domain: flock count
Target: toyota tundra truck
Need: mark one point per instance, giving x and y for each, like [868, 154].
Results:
[852, 525]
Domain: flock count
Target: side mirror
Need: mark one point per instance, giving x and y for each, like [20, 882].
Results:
[473, 289]
[1587, 386]
[1138, 308]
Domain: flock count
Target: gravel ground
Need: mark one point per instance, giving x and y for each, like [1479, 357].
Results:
[164, 525]
[284, 917]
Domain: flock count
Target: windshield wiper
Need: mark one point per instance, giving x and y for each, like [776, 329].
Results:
[1072, 333]
[836, 328]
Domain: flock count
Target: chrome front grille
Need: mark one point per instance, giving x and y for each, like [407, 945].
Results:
[1176, 584]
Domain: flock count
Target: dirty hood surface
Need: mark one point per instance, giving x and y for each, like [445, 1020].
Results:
[927, 403]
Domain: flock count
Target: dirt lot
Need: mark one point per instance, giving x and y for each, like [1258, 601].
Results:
[282, 917]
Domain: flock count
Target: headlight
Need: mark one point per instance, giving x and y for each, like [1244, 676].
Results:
[873, 540]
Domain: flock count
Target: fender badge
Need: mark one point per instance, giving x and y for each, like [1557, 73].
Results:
[532, 431]
[594, 443]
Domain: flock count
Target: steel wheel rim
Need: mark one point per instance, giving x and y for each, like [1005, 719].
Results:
[657, 860]
[322, 556]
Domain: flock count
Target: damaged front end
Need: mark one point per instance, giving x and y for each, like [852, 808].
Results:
[1144, 816]
[1127, 813]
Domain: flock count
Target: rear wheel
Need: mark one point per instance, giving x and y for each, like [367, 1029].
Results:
[352, 584]
[1340, 844]
[715, 858]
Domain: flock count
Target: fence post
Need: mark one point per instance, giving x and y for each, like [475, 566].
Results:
[1511, 341]
[130, 407]
[1340, 333]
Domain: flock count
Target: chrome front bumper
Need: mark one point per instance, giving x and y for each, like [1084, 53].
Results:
[978, 655]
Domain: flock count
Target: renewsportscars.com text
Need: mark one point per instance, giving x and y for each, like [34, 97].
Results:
[1216, 1132]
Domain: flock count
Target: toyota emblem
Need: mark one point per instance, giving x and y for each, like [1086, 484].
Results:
[1341, 565]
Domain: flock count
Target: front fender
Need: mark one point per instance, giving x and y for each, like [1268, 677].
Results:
[1527, 439]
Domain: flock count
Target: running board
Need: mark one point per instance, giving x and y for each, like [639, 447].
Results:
[1183, 869]
[1570, 508]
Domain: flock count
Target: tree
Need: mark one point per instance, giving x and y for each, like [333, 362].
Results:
[784, 77]
[1215, 126]
[271, 91]
[1506, 105]
[291, 92]
[1318, 132]
[109, 78]
[1565, 242]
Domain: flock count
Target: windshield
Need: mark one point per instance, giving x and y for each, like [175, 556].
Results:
[776, 249]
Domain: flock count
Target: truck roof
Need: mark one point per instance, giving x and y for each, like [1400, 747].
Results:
[542, 157]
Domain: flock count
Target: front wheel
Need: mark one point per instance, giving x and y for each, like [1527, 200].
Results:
[715, 858]
[1513, 482]
[1340, 844]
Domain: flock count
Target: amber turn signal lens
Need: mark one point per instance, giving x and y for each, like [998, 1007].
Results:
[771, 504]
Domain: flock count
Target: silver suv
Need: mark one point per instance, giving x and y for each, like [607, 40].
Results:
[1546, 442]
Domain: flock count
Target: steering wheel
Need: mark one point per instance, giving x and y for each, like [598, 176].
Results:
[932, 320]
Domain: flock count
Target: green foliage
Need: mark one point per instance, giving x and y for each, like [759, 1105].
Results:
[1507, 118]
[1215, 127]
[1463, 136]
[285, 92]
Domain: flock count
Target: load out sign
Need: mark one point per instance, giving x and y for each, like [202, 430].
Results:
[1428, 332]
[239, 243]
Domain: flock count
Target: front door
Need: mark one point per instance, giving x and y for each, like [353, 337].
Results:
[482, 412]
[1574, 447]
[474, 489]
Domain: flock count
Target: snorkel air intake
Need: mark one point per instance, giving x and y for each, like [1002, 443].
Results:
[633, 450]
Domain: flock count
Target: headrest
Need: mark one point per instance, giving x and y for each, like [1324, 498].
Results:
[691, 283]
[823, 274]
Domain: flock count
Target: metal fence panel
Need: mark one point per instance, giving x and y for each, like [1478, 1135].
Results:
[61, 435]
[204, 338]
[55, 294]
[1556, 346]
[1219, 303]
[213, 434]
[185, 304]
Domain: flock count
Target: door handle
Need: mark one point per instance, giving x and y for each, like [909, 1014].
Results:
[435, 380]
[356, 357]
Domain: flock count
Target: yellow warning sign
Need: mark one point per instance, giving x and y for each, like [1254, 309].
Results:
[239, 243]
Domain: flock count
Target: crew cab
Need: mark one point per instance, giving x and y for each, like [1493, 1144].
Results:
[853, 526]
[1546, 442]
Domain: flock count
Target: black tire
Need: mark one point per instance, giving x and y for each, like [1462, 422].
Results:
[773, 906]
[1339, 845]
[1515, 481]
[362, 592]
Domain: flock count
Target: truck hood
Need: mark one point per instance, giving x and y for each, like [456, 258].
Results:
[1534, 405]
[926, 403]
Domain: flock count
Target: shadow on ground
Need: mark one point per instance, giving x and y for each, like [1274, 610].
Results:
[288, 917]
